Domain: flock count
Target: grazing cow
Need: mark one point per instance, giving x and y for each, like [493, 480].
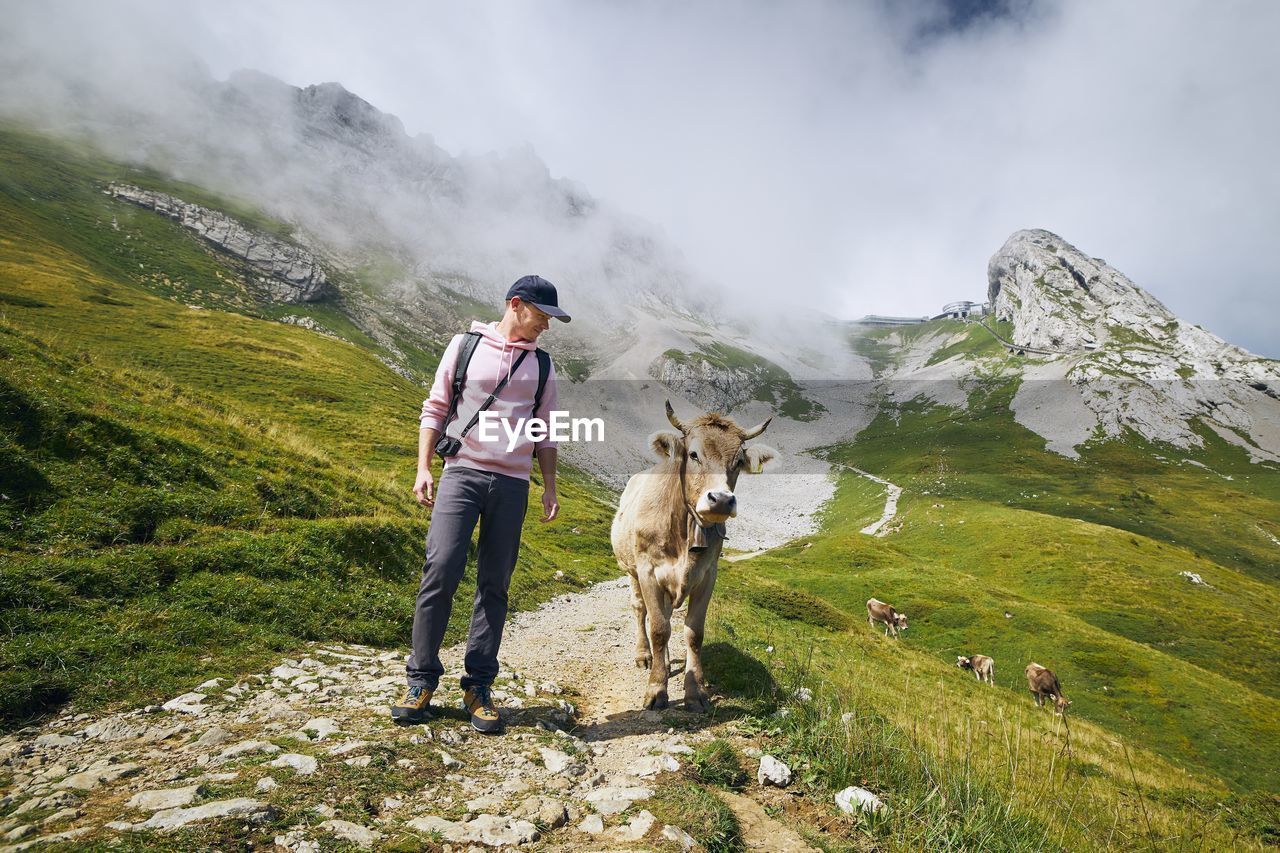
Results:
[1044, 684]
[668, 533]
[878, 611]
[984, 668]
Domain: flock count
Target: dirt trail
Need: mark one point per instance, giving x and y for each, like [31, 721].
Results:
[892, 494]
[233, 758]
[588, 640]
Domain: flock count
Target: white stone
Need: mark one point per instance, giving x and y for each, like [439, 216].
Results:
[247, 747]
[449, 761]
[652, 765]
[266, 783]
[679, 836]
[361, 836]
[60, 816]
[592, 824]
[485, 803]
[853, 799]
[215, 736]
[187, 703]
[303, 765]
[347, 746]
[448, 830]
[637, 827]
[242, 807]
[773, 772]
[490, 830]
[322, 727]
[496, 831]
[90, 779]
[615, 800]
[559, 762]
[166, 798]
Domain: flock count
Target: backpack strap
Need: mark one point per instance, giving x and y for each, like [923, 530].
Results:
[544, 371]
[475, 419]
[470, 340]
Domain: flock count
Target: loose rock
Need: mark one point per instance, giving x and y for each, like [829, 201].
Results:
[303, 765]
[361, 836]
[167, 798]
[679, 836]
[242, 807]
[854, 799]
[637, 827]
[773, 772]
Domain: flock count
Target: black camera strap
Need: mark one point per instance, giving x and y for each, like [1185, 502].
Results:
[502, 383]
[470, 340]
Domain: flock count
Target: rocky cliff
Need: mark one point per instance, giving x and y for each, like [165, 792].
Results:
[288, 273]
[1124, 355]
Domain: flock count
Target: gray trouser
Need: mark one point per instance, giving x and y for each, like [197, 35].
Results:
[463, 497]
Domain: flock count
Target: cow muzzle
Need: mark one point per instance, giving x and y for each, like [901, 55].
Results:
[717, 506]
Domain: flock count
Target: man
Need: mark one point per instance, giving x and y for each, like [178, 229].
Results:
[483, 481]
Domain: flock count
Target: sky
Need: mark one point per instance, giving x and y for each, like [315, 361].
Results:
[845, 157]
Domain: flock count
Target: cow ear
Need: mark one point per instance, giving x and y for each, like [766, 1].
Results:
[667, 445]
[757, 456]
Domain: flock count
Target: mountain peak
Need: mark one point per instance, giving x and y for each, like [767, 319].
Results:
[1059, 298]
[333, 105]
[1133, 363]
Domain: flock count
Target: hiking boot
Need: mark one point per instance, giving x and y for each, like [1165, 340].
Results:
[413, 705]
[484, 716]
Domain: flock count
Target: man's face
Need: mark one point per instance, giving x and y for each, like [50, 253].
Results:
[529, 321]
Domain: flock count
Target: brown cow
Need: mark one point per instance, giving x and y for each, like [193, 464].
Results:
[983, 667]
[1043, 683]
[668, 533]
[878, 611]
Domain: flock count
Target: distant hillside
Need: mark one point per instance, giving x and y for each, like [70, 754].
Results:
[187, 490]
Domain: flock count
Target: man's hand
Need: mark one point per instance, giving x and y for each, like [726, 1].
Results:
[424, 489]
[550, 506]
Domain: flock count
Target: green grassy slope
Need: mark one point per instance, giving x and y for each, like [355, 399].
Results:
[1085, 558]
[961, 765]
[1005, 549]
[190, 491]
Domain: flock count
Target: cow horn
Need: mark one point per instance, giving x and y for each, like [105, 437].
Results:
[675, 422]
[754, 431]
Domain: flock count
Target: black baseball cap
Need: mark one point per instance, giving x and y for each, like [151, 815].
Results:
[539, 293]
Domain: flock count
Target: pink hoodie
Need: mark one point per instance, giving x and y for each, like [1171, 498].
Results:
[493, 359]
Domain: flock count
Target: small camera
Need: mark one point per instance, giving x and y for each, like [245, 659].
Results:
[447, 446]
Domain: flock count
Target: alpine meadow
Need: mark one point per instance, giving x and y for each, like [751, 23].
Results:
[215, 341]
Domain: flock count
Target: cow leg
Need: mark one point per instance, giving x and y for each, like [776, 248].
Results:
[658, 607]
[644, 658]
[696, 697]
[977, 675]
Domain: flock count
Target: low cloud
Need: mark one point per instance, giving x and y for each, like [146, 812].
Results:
[856, 158]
